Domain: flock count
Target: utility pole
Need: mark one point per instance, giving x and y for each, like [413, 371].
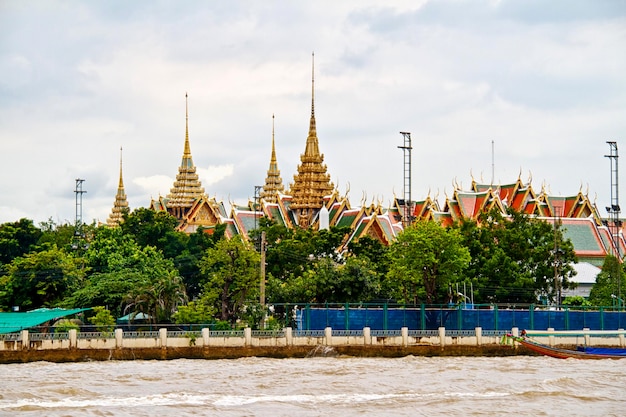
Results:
[614, 212]
[257, 196]
[262, 286]
[407, 217]
[79, 234]
[557, 286]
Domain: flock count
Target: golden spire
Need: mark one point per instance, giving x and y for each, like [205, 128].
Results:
[312, 146]
[187, 151]
[273, 181]
[311, 183]
[187, 186]
[120, 206]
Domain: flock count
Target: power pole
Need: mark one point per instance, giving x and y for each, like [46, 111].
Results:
[557, 286]
[407, 217]
[262, 286]
[79, 234]
[614, 212]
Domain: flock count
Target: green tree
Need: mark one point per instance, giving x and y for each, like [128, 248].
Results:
[232, 271]
[576, 301]
[372, 249]
[121, 270]
[108, 289]
[156, 229]
[195, 312]
[40, 279]
[293, 257]
[514, 258]
[424, 260]
[188, 261]
[57, 234]
[607, 288]
[329, 282]
[16, 239]
[102, 319]
[159, 300]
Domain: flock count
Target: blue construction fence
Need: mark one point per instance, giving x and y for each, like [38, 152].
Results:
[461, 317]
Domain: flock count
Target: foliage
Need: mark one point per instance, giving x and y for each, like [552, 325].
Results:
[159, 300]
[17, 239]
[424, 260]
[188, 261]
[102, 319]
[65, 325]
[329, 282]
[156, 229]
[232, 276]
[607, 288]
[513, 258]
[194, 312]
[56, 234]
[576, 301]
[373, 250]
[290, 252]
[109, 289]
[40, 279]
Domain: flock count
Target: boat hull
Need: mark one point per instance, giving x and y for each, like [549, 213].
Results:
[565, 353]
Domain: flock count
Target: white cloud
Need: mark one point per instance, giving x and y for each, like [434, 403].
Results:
[82, 79]
[214, 174]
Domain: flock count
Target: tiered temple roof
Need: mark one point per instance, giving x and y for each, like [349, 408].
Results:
[187, 186]
[187, 200]
[120, 206]
[273, 182]
[312, 183]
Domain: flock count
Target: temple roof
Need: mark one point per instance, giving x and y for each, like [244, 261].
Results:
[312, 183]
[187, 186]
[120, 206]
[273, 181]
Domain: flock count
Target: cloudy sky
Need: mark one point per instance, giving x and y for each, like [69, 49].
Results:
[544, 81]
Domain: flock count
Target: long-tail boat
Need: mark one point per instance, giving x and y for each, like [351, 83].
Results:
[581, 352]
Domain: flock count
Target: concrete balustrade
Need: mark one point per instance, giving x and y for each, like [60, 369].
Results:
[163, 339]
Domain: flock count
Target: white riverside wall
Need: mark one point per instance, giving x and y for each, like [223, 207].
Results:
[160, 339]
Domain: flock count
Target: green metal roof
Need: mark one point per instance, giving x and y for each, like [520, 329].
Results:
[14, 322]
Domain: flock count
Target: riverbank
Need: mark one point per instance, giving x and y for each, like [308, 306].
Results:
[277, 352]
[76, 346]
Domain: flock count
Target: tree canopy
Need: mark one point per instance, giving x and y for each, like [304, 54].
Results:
[145, 265]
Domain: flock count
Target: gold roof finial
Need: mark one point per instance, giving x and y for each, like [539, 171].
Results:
[187, 150]
[121, 182]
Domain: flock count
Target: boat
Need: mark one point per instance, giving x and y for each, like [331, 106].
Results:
[581, 352]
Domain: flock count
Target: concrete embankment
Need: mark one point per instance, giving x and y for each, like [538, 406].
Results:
[195, 352]
[205, 344]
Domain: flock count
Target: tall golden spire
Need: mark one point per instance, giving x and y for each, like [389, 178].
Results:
[187, 186]
[120, 206]
[273, 181]
[311, 184]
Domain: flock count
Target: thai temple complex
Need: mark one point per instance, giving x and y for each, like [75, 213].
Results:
[312, 201]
